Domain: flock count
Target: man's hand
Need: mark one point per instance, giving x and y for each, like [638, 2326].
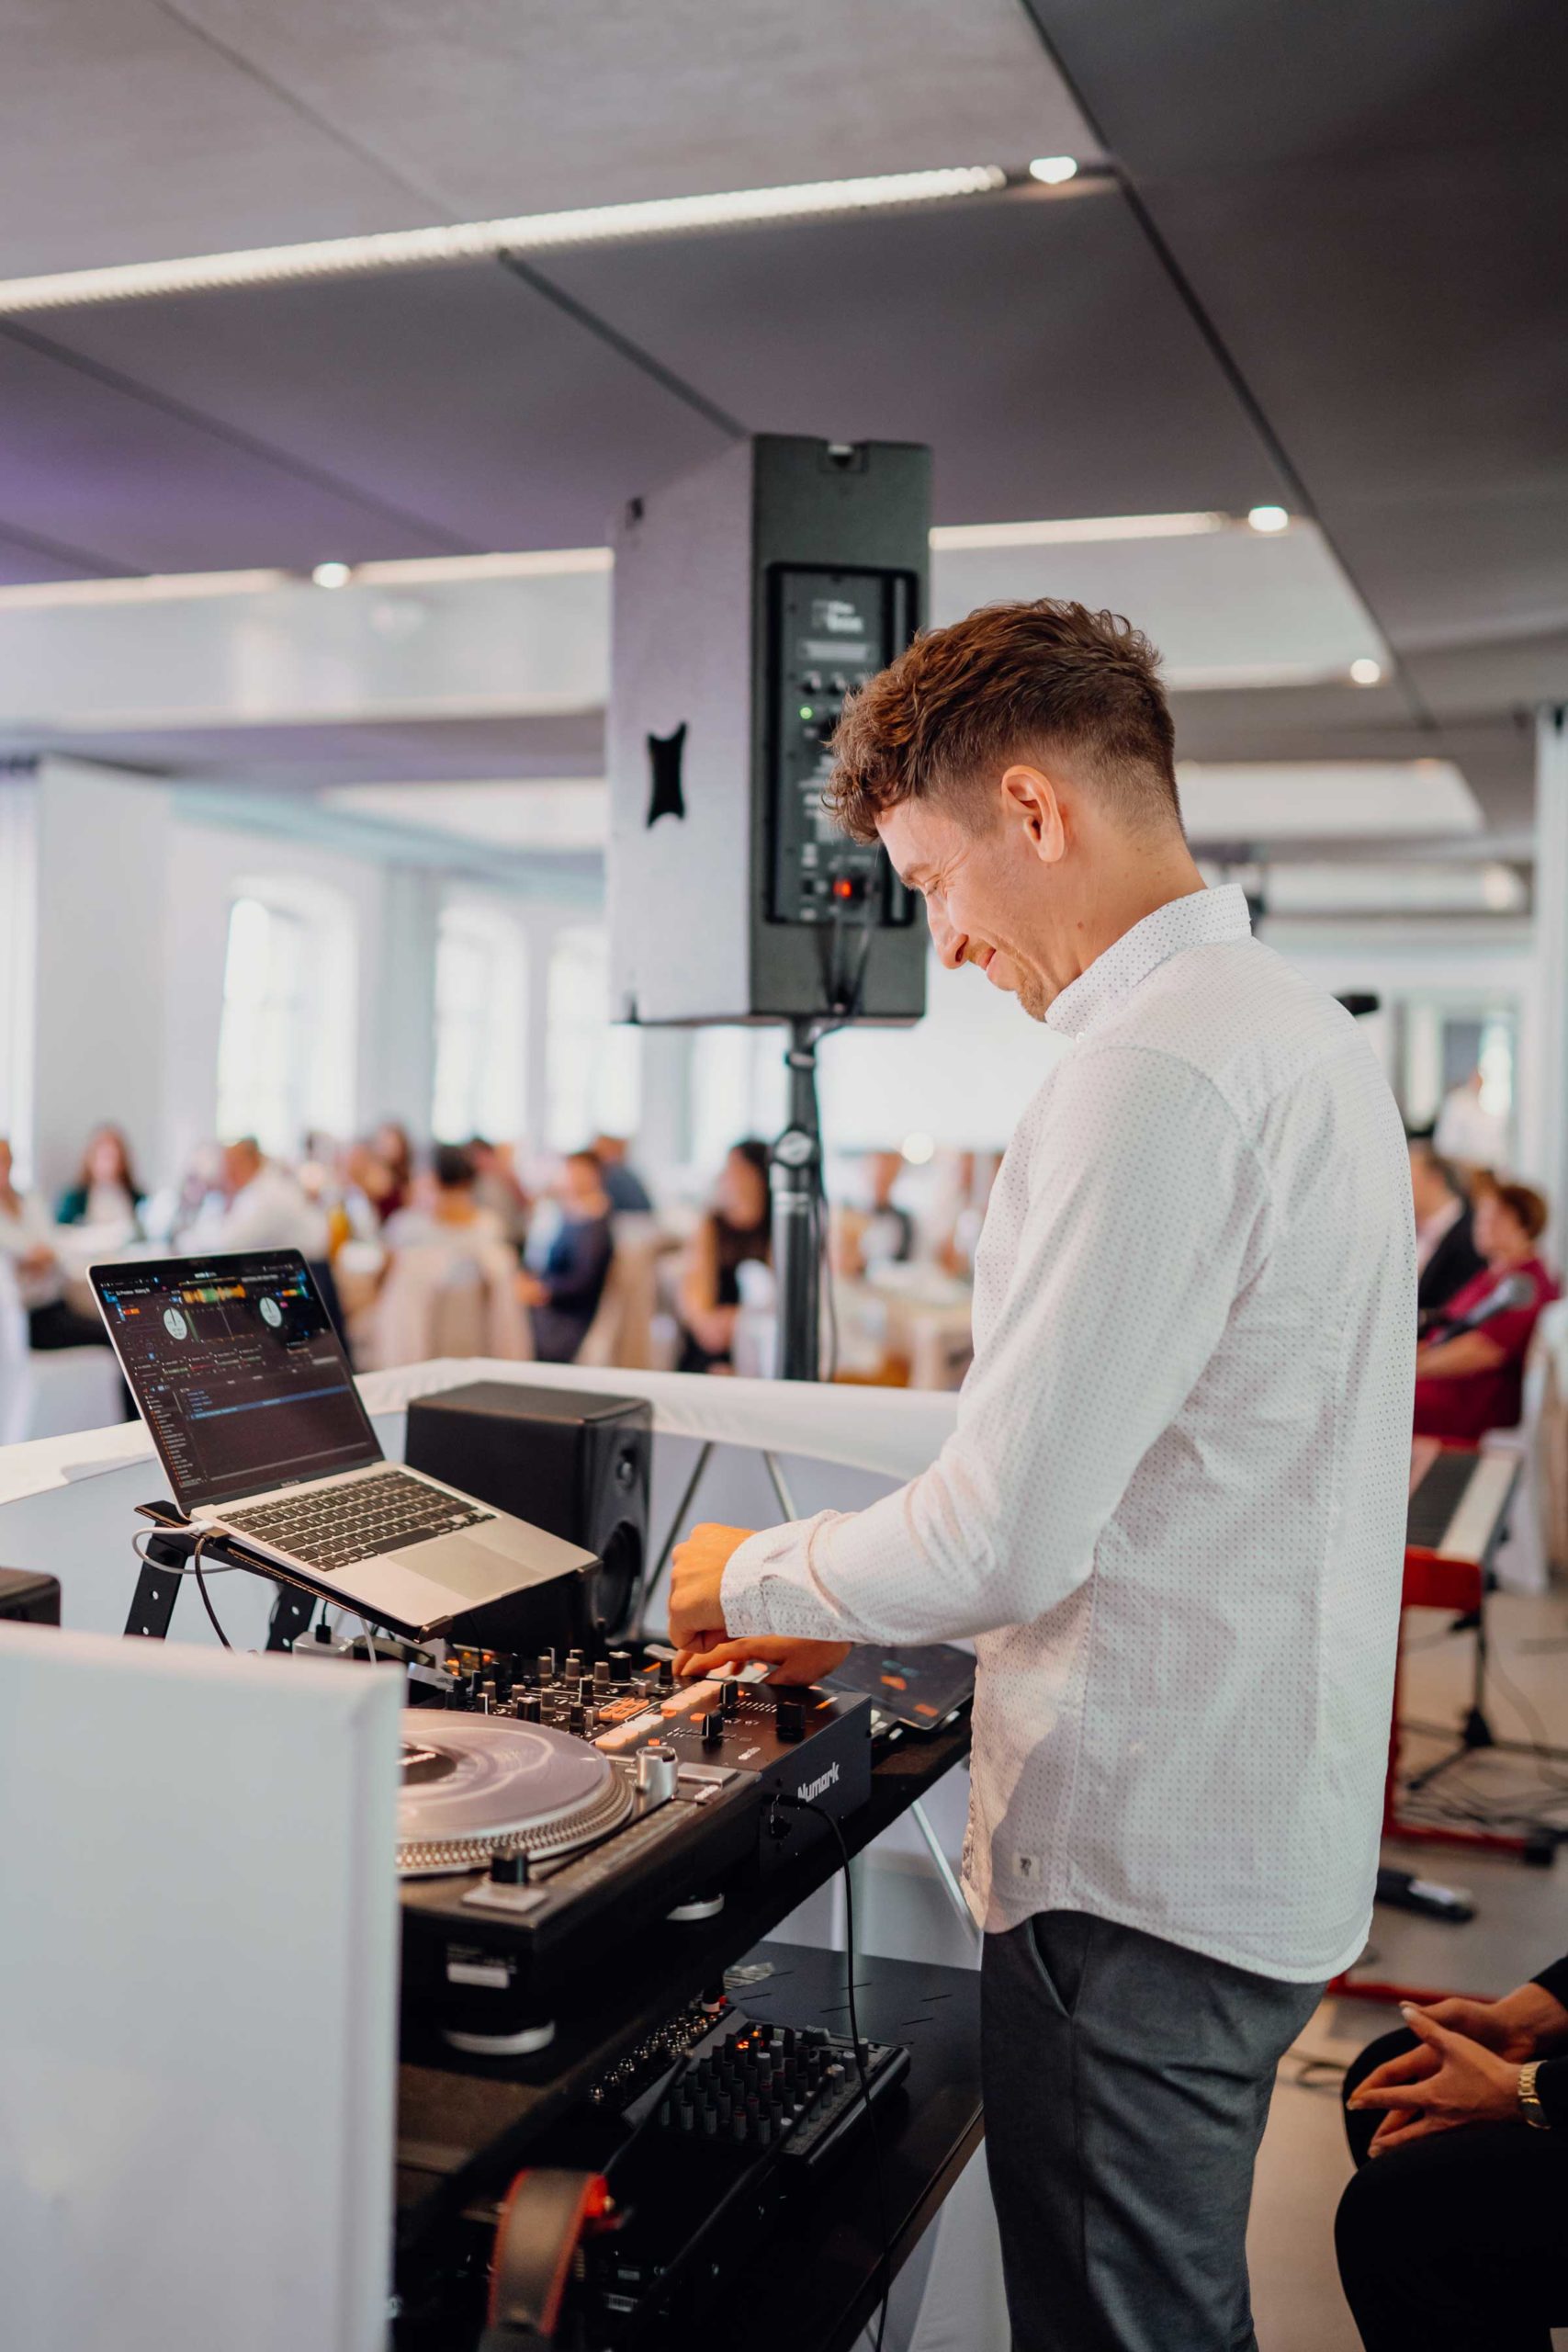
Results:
[1450, 2080]
[790, 1661]
[696, 1613]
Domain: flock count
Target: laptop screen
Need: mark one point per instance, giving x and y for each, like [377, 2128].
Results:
[237, 1371]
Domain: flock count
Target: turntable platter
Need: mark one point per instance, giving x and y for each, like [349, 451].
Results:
[472, 1785]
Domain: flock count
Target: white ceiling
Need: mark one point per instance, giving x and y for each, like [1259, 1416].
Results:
[1344, 800]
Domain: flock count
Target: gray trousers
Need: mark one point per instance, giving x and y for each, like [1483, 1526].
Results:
[1126, 2084]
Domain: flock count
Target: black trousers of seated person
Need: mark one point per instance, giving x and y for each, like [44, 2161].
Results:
[1458, 2243]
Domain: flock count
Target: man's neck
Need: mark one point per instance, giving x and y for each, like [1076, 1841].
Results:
[1130, 890]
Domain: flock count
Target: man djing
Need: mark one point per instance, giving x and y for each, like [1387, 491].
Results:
[1172, 1510]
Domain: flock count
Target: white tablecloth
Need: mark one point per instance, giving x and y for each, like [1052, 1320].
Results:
[893, 1433]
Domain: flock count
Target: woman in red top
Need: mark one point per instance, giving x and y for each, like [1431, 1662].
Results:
[1467, 1385]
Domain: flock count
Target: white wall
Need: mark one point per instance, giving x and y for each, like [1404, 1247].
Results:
[962, 1076]
[106, 928]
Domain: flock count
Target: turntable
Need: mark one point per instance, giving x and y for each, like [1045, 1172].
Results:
[475, 1789]
[527, 1857]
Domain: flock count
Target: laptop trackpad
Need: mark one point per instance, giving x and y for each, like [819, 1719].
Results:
[462, 1567]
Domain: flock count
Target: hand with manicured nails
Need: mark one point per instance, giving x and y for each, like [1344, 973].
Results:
[1448, 2079]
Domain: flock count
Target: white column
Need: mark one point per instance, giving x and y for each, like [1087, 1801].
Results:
[397, 1010]
[104, 922]
[18, 894]
[1544, 1123]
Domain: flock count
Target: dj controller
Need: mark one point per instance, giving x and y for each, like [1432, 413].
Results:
[542, 1799]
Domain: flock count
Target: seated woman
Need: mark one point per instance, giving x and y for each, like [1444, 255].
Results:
[1475, 1382]
[1452, 2235]
[563, 1295]
[27, 1237]
[734, 1229]
[106, 1190]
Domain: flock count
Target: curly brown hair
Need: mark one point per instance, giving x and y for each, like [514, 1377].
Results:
[1526, 1206]
[1049, 680]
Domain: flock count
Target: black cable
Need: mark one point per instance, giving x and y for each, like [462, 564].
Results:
[803, 1804]
[201, 1587]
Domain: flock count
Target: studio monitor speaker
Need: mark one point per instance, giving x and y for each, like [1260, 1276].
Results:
[577, 1463]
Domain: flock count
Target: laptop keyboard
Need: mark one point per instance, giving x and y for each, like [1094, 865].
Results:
[332, 1527]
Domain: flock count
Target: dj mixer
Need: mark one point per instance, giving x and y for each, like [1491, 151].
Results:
[549, 1805]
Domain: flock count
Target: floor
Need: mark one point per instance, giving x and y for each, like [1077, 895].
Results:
[1521, 1922]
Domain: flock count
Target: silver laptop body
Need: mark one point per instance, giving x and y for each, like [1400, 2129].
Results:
[244, 1383]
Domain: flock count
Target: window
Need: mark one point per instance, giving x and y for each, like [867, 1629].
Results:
[285, 1035]
[480, 1022]
[595, 1072]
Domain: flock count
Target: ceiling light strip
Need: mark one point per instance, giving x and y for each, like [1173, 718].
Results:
[533, 232]
[1080, 530]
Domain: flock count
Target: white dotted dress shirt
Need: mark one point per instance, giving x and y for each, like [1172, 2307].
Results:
[1172, 1510]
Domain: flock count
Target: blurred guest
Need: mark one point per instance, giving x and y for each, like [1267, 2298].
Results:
[106, 1190]
[496, 1187]
[628, 1195]
[27, 1238]
[888, 1231]
[735, 1231]
[1450, 2235]
[384, 1169]
[1467, 1131]
[563, 1295]
[1445, 1242]
[1475, 1382]
[263, 1207]
[446, 1205]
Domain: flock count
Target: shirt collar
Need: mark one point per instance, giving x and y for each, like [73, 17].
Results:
[1203, 919]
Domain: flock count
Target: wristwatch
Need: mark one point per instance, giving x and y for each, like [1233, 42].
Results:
[1531, 2107]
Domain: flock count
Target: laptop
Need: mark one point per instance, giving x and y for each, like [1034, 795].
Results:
[243, 1380]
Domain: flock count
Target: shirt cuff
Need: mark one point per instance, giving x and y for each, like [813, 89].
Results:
[1554, 1980]
[768, 1589]
[1551, 2089]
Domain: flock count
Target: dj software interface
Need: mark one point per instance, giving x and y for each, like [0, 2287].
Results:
[239, 1373]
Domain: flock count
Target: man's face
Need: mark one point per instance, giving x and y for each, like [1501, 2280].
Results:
[981, 893]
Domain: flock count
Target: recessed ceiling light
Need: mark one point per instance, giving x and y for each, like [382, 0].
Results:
[918, 1148]
[1268, 518]
[663, 215]
[332, 575]
[1367, 672]
[1053, 169]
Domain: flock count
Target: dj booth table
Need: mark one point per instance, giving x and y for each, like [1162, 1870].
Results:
[465, 2126]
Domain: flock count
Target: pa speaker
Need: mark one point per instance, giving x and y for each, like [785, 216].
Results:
[576, 1463]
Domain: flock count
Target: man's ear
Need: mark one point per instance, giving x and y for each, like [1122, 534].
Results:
[1029, 801]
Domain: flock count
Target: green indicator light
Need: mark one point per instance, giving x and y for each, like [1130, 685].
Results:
[807, 711]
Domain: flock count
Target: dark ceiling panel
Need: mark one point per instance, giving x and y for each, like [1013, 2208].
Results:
[1035, 344]
[304, 758]
[1370, 205]
[86, 463]
[26, 559]
[1239, 85]
[126, 136]
[462, 394]
[505, 108]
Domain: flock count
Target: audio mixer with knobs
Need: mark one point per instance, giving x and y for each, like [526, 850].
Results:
[552, 1807]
